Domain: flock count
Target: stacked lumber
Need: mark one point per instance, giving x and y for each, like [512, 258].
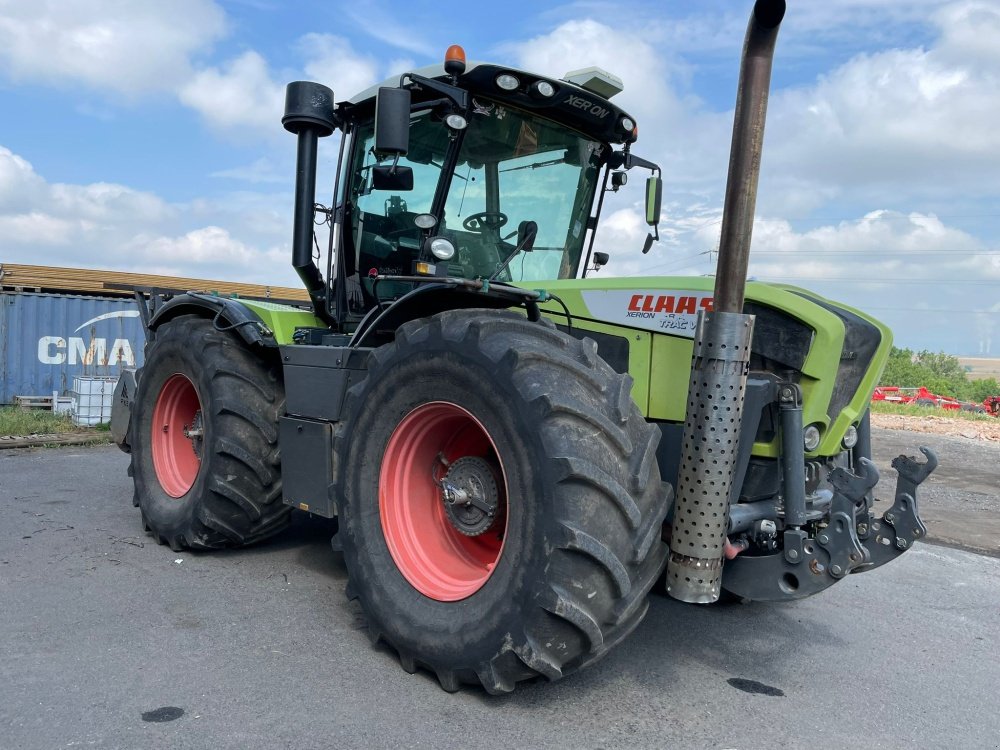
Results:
[18, 277]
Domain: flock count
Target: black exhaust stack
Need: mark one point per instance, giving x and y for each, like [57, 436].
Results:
[308, 114]
[721, 355]
[744, 155]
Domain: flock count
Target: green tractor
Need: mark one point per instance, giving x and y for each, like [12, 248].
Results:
[516, 453]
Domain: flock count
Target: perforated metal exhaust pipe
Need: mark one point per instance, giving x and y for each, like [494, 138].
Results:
[721, 357]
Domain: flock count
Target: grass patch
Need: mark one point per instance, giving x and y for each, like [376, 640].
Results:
[17, 421]
[912, 410]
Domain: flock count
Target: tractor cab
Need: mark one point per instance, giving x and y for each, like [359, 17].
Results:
[476, 172]
[512, 182]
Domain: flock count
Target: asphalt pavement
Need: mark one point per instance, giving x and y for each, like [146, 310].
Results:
[108, 640]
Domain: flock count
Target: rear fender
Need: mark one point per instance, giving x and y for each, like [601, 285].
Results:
[227, 314]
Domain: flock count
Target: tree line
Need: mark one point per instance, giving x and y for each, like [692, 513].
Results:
[940, 373]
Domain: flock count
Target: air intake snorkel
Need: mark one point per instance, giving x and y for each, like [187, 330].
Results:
[308, 114]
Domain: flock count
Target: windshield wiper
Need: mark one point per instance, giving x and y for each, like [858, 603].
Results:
[536, 165]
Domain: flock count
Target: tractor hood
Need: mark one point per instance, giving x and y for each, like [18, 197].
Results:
[835, 352]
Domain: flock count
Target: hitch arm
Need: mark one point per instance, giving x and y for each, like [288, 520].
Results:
[900, 526]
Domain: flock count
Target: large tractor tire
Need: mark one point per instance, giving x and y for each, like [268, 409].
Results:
[542, 558]
[204, 439]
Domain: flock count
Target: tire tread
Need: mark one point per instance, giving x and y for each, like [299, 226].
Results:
[613, 543]
[240, 501]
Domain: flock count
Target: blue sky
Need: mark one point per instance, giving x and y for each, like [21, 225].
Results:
[146, 136]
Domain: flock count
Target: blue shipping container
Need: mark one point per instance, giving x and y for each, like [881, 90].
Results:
[48, 339]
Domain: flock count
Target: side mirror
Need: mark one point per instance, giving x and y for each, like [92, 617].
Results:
[392, 178]
[392, 121]
[526, 233]
[654, 199]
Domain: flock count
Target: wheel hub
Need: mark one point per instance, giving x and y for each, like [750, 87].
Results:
[195, 433]
[470, 495]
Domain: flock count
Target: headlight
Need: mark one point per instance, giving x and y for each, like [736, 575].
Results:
[810, 436]
[456, 122]
[628, 124]
[850, 437]
[543, 88]
[507, 82]
[425, 221]
[442, 249]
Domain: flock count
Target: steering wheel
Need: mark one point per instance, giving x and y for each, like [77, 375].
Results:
[484, 220]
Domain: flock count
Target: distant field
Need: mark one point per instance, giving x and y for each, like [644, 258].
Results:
[981, 367]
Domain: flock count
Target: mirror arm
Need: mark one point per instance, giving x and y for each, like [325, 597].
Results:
[525, 244]
[626, 159]
[637, 161]
[455, 94]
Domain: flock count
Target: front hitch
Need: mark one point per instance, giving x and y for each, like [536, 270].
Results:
[900, 526]
[852, 540]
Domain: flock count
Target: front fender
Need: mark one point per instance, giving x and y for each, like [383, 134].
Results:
[426, 300]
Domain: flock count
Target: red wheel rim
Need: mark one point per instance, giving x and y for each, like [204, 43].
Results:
[436, 558]
[174, 418]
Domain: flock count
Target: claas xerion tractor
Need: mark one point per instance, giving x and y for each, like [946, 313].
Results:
[517, 453]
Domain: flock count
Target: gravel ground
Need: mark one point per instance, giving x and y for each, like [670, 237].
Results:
[960, 501]
[984, 429]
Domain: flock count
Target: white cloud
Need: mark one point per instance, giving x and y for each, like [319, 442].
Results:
[382, 24]
[586, 42]
[36, 228]
[917, 123]
[140, 48]
[924, 278]
[245, 97]
[211, 252]
[102, 201]
[24, 193]
[887, 117]
[239, 96]
[20, 187]
[262, 170]
[200, 246]
[883, 245]
[127, 47]
[969, 33]
[113, 226]
[332, 61]
[888, 245]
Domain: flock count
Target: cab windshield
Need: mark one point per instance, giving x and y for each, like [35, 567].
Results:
[513, 173]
